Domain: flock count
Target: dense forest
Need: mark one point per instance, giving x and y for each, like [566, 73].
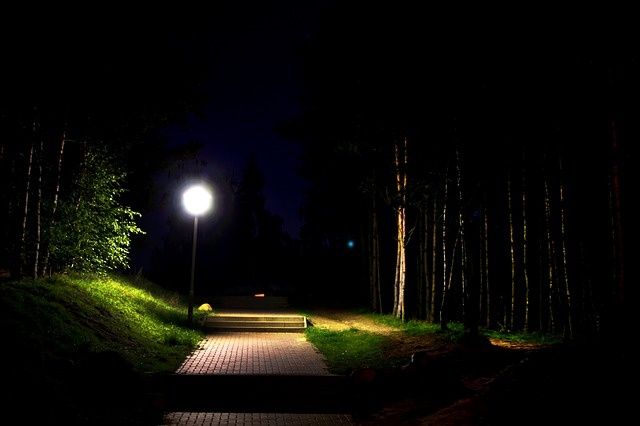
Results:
[479, 165]
[482, 162]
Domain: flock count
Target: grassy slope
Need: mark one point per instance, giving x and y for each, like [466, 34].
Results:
[53, 328]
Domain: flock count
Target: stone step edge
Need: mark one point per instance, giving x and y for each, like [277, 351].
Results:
[255, 319]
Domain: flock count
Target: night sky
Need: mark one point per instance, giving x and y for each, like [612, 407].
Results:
[253, 82]
[254, 86]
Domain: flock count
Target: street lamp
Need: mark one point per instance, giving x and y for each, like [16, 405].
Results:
[197, 200]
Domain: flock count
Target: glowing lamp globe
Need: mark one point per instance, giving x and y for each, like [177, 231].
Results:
[197, 200]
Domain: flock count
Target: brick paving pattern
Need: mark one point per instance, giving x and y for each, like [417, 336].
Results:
[238, 353]
[268, 419]
[255, 353]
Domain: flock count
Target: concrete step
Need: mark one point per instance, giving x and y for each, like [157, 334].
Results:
[274, 323]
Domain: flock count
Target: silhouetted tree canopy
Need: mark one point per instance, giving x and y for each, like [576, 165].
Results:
[515, 125]
[76, 81]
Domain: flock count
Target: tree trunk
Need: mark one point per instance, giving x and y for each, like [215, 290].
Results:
[434, 259]
[56, 194]
[401, 272]
[550, 319]
[23, 236]
[36, 257]
[445, 281]
[566, 293]
[485, 299]
[374, 258]
[422, 266]
[508, 318]
[524, 248]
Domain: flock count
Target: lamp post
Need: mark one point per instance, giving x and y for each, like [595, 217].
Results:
[197, 200]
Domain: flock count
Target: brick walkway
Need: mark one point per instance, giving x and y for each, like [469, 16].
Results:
[256, 419]
[238, 353]
[255, 353]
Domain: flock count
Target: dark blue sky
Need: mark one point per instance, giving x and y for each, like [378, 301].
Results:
[255, 85]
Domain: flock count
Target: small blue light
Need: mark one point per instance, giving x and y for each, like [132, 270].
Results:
[350, 243]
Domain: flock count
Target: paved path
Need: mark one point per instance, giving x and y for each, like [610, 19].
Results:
[270, 419]
[255, 353]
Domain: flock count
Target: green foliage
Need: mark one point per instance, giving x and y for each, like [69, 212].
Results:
[350, 349]
[523, 336]
[70, 317]
[93, 230]
[455, 330]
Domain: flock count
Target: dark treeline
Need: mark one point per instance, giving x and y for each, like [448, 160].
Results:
[480, 161]
[83, 100]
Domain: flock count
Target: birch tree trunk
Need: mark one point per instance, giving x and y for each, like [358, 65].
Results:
[401, 273]
[508, 312]
[566, 293]
[25, 214]
[548, 324]
[464, 248]
[445, 281]
[525, 275]
[36, 257]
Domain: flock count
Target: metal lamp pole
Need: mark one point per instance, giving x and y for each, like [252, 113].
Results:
[197, 200]
[193, 269]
